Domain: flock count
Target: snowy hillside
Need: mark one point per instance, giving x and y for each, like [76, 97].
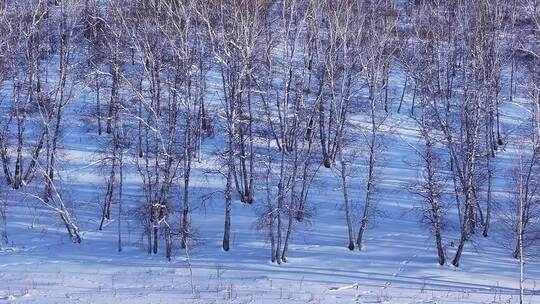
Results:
[398, 264]
[269, 152]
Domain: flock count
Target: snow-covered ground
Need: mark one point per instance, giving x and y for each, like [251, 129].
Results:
[398, 265]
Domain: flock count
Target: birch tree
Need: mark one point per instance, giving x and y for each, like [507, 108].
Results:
[379, 50]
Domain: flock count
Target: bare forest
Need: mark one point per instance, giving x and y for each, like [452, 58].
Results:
[254, 106]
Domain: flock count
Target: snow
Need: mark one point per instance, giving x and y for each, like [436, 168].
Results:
[398, 264]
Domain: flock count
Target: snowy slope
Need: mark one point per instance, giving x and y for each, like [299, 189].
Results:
[397, 266]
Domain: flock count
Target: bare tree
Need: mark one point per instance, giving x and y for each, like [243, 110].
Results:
[379, 50]
[430, 184]
[235, 30]
[462, 98]
[346, 202]
[342, 32]
[39, 99]
[26, 45]
[291, 117]
[156, 109]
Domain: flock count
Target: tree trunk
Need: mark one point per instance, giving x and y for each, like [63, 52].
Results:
[346, 202]
[120, 203]
[228, 207]
[438, 240]
[370, 180]
[98, 104]
[459, 250]
[270, 208]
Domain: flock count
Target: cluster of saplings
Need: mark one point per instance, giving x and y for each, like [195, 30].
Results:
[289, 88]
